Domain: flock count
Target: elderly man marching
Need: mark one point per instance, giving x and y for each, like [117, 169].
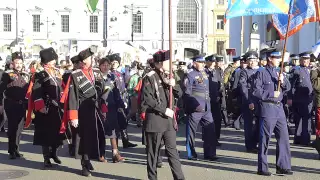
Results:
[198, 108]
[83, 97]
[46, 92]
[13, 88]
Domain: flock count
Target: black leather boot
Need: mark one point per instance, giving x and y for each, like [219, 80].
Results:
[71, 150]
[46, 157]
[54, 155]
[125, 140]
[85, 170]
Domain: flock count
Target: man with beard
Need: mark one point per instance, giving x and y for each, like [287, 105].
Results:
[13, 87]
[46, 92]
[159, 122]
[86, 110]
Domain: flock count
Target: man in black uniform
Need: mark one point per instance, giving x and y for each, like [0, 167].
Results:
[46, 93]
[74, 146]
[85, 109]
[159, 121]
[14, 87]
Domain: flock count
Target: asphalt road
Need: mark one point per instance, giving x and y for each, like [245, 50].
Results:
[234, 162]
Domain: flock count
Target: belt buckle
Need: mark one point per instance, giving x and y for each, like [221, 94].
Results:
[278, 103]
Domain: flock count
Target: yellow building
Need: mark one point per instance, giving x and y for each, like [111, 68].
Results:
[218, 32]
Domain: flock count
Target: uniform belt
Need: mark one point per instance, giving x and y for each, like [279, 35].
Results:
[16, 101]
[198, 94]
[273, 102]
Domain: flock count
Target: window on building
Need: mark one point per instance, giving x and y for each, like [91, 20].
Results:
[187, 17]
[220, 22]
[221, 2]
[7, 22]
[220, 47]
[94, 24]
[36, 23]
[137, 23]
[65, 23]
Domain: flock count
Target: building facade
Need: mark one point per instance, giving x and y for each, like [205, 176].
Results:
[146, 24]
[218, 31]
[243, 40]
[69, 27]
[65, 25]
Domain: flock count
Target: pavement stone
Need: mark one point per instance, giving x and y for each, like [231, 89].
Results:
[234, 162]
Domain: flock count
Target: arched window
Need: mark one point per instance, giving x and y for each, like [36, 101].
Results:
[187, 17]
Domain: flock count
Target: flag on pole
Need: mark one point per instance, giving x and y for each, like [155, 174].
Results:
[316, 49]
[302, 12]
[238, 8]
[92, 5]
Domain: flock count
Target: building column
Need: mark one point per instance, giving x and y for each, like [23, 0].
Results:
[204, 26]
[165, 25]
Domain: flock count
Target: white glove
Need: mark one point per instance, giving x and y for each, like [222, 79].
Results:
[75, 123]
[172, 82]
[276, 94]
[169, 113]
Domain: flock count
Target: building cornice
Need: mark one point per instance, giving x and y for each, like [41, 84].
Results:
[7, 9]
[64, 10]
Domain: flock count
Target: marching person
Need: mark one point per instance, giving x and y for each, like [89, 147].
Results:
[13, 88]
[74, 146]
[86, 110]
[114, 103]
[46, 93]
[198, 108]
[159, 118]
[214, 92]
[301, 99]
[272, 115]
[122, 119]
[248, 102]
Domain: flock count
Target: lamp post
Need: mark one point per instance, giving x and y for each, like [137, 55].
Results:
[132, 8]
[47, 21]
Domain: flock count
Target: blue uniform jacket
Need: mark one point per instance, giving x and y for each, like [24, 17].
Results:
[302, 90]
[214, 85]
[245, 83]
[264, 85]
[197, 91]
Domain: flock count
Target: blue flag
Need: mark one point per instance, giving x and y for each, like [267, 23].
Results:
[238, 8]
[302, 12]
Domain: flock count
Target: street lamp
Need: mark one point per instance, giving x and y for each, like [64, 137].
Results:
[52, 24]
[131, 8]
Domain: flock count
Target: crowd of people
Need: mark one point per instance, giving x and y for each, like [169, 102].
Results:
[88, 100]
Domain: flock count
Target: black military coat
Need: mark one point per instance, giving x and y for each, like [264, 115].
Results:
[155, 100]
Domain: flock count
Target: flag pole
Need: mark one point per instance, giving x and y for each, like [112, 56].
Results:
[171, 51]
[284, 48]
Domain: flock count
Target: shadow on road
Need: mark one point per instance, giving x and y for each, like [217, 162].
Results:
[38, 166]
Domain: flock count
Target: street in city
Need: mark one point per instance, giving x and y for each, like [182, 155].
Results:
[234, 162]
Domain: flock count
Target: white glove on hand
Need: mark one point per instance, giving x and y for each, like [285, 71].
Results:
[75, 123]
[276, 94]
[169, 113]
[172, 82]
